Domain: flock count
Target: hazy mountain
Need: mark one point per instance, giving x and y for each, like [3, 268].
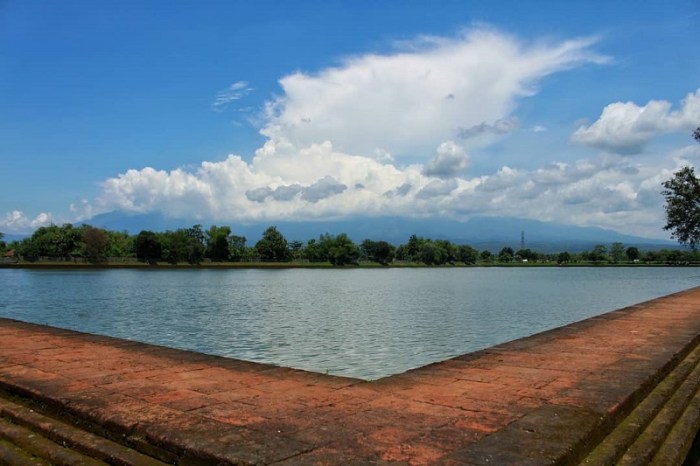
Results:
[482, 233]
[8, 238]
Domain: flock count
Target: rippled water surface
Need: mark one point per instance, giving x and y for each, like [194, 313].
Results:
[365, 323]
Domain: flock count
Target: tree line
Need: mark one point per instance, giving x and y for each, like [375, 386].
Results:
[196, 245]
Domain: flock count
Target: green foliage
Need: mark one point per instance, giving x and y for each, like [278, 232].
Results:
[53, 242]
[237, 250]
[682, 194]
[312, 252]
[342, 251]
[632, 253]
[121, 244]
[617, 252]
[217, 239]
[468, 254]
[506, 255]
[430, 254]
[96, 244]
[526, 255]
[183, 245]
[273, 246]
[147, 246]
[219, 244]
[378, 251]
[338, 250]
[296, 250]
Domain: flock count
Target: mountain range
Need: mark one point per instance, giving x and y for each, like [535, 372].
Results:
[490, 233]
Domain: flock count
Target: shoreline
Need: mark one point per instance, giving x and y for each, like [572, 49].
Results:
[301, 265]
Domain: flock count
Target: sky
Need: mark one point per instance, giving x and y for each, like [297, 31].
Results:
[263, 111]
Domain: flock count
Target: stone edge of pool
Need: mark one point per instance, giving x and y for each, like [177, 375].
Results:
[543, 399]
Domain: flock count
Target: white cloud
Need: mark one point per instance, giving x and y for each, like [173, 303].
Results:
[450, 161]
[408, 102]
[17, 222]
[607, 191]
[626, 128]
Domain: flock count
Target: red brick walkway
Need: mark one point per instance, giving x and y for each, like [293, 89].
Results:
[517, 402]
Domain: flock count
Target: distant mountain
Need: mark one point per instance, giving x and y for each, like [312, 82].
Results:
[490, 233]
[10, 238]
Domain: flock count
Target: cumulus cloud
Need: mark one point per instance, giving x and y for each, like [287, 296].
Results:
[410, 101]
[17, 222]
[626, 128]
[235, 91]
[606, 191]
[450, 161]
[279, 183]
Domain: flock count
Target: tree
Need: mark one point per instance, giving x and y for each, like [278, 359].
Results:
[430, 253]
[563, 258]
[53, 241]
[296, 249]
[468, 254]
[682, 193]
[343, 251]
[121, 244]
[617, 252]
[147, 246]
[598, 254]
[272, 246]
[313, 252]
[95, 244]
[218, 243]
[506, 255]
[412, 248]
[183, 244]
[485, 255]
[632, 253]
[526, 255]
[236, 248]
[378, 251]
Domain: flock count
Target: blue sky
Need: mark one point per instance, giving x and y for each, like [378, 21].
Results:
[571, 112]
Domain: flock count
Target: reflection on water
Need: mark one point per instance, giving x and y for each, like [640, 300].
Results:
[365, 323]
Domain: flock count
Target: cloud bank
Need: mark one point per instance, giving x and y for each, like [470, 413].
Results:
[626, 128]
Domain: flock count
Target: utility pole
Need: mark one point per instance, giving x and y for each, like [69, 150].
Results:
[522, 239]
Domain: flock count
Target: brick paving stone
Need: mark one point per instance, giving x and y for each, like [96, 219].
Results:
[513, 402]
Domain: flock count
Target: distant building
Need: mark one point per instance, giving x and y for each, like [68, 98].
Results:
[8, 256]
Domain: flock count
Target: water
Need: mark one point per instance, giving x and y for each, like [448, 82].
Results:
[366, 323]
